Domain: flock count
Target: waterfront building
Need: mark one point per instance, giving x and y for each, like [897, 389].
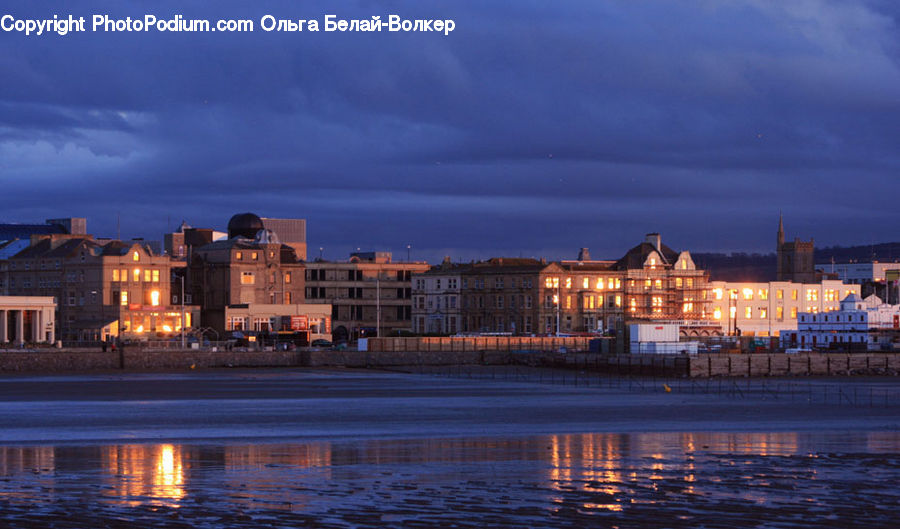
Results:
[250, 268]
[27, 319]
[867, 324]
[367, 293]
[103, 289]
[768, 309]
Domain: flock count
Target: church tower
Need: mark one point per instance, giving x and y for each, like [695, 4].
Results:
[794, 260]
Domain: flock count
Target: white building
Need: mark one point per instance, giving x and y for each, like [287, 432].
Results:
[859, 273]
[27, 319]
[436, 300]
[768, 309]
[855, 323]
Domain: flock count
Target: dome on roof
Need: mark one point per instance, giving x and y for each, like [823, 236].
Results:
[245, 225]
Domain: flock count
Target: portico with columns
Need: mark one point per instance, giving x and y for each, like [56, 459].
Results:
[27, 319]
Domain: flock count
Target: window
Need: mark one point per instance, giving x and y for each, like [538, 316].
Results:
[254, 256]
[568, 282]
[794, 312]
[679, 282]
[247, 278]
[124, 299]
[527, 302]
[794, 294]
[287, 277]
[717, 313]
[763, 294]
[619, 301]
[718, 293]
[658, 283]
[748, 293]
[239, 256]
[115, 275]
[154, 298]
[690, 282]
[812, 295]
[763, 313]
[156, 276]
[779, 293]
[499, 302]
[136, 275]
[135, 256]
[568, 302]
[147, 276]
[779, 312]
[586, 282]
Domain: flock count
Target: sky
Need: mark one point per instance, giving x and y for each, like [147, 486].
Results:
[533, 129]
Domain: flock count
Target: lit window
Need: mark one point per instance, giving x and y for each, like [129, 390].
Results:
[658, 283]
[586, 283]
[254, 256]
[690, 282]
[717, 314]
[239, 255]
[647, 283]
[763, 293]
[548, 282]
[748, 313]
[763, 313]
[135, 256]
[287, 277]
[568, 282]
[555, 299]
[779, 312]
[633, 304]
[555, 282]
[115, 277]
[568, 302]
[136, 275]
[679, 282]
[794, 294]
[653, 263]
[718, 293]
[147, 276]
[793, 313]
[156, 276]
[619, 301]
[247, 278]
[124, 299]
[732, 311]
[611, 283]
[600, 284]
[748, 293]
[154, 298]
[779, 293]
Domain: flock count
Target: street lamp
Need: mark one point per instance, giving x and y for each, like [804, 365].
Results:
[408, 248]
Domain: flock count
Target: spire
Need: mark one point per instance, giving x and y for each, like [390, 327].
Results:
[780, 229]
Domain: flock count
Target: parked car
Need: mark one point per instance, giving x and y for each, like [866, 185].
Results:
[321, 343]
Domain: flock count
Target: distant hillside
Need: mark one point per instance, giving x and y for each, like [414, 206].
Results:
[884, 252]
[761, 267]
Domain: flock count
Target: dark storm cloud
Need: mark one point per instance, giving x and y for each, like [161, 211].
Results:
[534, 129]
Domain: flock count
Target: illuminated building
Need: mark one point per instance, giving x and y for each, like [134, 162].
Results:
[768, 309]
[526, 296]
[103, 289]
[368, 292]
[251, 268]
[27, 319]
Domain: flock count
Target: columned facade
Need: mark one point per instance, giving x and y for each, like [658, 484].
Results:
[27, 319]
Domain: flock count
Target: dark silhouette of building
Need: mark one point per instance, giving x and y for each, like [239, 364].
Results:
[794, 260]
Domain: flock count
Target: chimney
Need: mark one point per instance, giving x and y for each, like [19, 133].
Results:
[584, 255]
[655, 240]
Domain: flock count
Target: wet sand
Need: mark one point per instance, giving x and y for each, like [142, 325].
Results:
[341, 449]
[303, 404]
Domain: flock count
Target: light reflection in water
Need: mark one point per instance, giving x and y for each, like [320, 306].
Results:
[135, 473]
[593, 474]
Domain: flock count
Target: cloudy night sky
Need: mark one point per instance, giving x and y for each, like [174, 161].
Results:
[534, 129]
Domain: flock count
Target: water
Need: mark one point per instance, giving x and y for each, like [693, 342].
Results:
[293, 448]
[625, 480]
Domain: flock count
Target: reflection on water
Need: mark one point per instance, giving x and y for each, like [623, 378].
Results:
[516, 481]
